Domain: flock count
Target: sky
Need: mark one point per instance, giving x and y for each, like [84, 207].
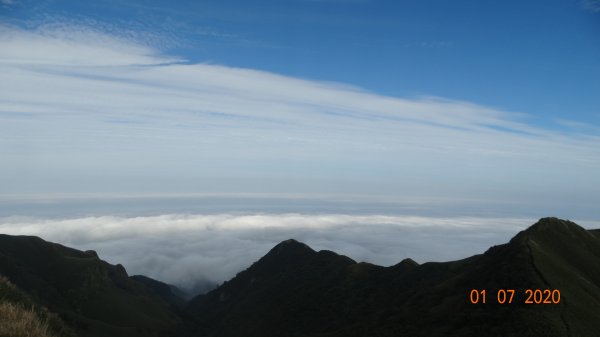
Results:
[112, 111]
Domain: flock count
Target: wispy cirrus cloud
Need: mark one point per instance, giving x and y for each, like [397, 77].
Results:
[74, 46]
[83, 110]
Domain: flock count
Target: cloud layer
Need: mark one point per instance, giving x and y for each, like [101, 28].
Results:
[187, 249]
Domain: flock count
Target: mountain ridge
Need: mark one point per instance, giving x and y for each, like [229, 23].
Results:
[428, 293]
[294, 290]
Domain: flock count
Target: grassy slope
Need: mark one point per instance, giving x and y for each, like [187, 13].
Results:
[20, 316]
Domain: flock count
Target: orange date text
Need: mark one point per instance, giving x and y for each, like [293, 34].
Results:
[507, 296]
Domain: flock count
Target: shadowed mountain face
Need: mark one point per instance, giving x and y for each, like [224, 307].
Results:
[296, 291]
[94, 297]
[567, 257]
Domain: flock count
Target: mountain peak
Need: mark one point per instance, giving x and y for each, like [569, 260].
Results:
[285, 253]
[405, 265]
[408, 262]
[291, 246]
[553, 229]
[552, 223]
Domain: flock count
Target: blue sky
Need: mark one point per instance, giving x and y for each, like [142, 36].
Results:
[428, 100]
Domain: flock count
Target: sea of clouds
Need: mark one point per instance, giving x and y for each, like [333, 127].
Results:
[187, 250]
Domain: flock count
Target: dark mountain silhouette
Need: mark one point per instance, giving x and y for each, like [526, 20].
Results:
[92, 296]
[296, 291]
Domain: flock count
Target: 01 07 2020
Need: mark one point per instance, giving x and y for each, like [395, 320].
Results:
[507, 296]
